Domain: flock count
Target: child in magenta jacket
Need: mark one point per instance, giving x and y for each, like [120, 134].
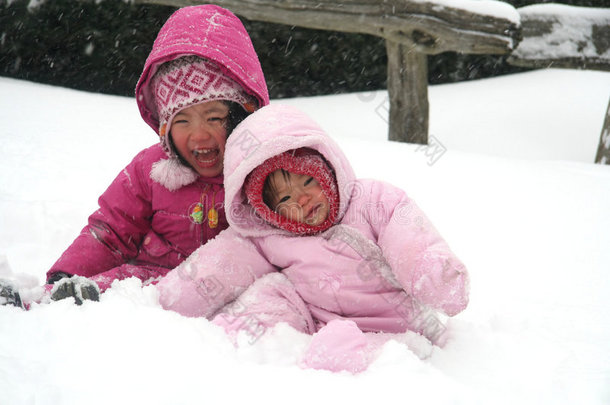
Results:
[309, 244]
[201, 78]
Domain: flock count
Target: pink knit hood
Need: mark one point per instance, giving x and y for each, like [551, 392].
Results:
[210, 32]
[303, 161]
[268, 132]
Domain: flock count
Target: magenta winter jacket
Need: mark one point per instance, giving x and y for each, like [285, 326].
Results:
[144, 225]
[383, 265]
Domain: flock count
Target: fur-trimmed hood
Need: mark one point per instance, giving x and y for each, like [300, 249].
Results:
[266, 133]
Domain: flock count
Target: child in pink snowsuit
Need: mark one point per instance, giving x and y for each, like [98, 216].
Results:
[311, 245]
[200, 80]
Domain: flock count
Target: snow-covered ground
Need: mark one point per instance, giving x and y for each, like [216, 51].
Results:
[507, 179]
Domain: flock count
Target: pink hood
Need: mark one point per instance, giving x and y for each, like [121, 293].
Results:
[211, 32]
[269, 132]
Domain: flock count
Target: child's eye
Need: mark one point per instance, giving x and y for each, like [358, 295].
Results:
[282, 200]
[217, 119]
[308, 181]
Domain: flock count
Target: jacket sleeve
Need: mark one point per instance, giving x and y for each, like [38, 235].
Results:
[213, 276]
[114, 232]
[421, 260]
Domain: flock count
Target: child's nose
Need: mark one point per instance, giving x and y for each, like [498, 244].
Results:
[201, 131]
[303, 198]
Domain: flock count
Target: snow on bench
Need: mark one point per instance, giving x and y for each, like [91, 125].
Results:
[556, 35]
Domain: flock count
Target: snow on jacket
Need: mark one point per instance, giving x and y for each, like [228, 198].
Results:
[383, 265]
[144, 225]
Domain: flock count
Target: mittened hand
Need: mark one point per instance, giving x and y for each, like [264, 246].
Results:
[9, 294]
[338, 346]
[81, 288]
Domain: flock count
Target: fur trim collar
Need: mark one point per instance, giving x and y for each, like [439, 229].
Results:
[172, 174]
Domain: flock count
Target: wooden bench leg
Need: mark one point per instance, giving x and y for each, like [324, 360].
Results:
[408, 92]
[603, 150]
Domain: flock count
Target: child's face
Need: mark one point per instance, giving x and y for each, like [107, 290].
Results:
[298, 197]
[199, 134]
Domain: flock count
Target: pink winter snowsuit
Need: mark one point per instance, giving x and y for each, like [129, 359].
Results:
[145, 224]
[383, 265]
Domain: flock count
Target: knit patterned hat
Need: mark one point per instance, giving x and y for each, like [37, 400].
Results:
[302, 161]
[191, 80]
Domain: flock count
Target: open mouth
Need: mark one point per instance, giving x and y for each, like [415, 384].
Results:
[206, 157]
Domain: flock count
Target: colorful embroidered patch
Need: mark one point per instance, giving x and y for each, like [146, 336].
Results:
[197, 213]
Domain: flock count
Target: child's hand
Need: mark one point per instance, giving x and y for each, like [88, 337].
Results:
[81, 288]
[338, 346]
[9, 294]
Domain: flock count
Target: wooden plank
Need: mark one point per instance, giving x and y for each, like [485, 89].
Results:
[431, 27]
